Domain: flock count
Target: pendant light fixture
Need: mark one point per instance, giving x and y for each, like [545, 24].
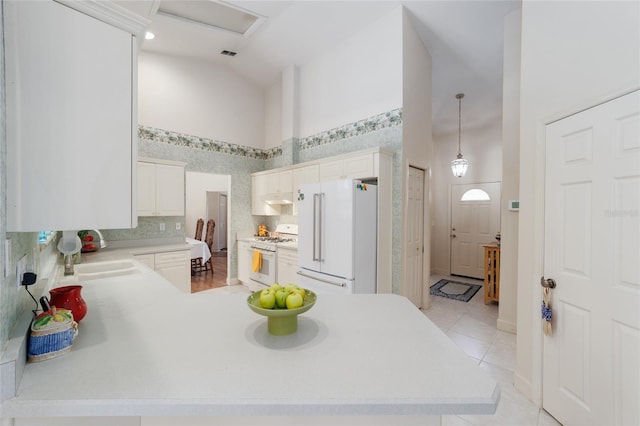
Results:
[460, 165]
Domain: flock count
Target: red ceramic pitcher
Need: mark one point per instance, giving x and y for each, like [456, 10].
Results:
[69, 297]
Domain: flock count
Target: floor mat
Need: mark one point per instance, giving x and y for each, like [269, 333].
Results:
[454, 290]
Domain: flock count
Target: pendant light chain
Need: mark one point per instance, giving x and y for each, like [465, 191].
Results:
[459, 96]
[460, 165]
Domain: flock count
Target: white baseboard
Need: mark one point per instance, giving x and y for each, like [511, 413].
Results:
[436, 271]
[523, 386]
[509, 327]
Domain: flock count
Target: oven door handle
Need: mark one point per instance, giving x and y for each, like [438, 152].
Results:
[322, 280]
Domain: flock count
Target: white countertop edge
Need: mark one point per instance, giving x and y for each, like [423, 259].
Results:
[250, 407]
[14, 357]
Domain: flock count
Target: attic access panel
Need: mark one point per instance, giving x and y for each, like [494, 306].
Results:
[212, 14]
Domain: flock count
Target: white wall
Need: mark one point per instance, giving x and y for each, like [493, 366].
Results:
[197, 185]
[510, 172]
[273, 116]
[417, 143]
[201, 99]
[359, 78]
[483, 148]
[574, 55]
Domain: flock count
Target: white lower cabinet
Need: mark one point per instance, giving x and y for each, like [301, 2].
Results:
[287, 271]
[147, 259]
[244, 261]
[174, 266]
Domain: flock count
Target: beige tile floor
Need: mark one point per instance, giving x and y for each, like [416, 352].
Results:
[472, 326]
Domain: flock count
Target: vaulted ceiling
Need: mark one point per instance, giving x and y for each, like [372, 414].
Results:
[464, 38]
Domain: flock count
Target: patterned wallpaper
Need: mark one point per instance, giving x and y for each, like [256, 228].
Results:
[218, 157]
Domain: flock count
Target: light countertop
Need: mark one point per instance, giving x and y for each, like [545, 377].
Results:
[146, 349]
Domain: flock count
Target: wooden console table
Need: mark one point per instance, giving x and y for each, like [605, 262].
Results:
[491, 273]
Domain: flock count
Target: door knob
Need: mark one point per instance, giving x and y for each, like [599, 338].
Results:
[547, 282]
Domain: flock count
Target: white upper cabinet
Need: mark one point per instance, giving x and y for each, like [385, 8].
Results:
[71, 115]
[146, 189]
[353, 167]
[364, 164]
[260, 188]
[161, 189]
[301, 176]
[279, 182]
[269, 191]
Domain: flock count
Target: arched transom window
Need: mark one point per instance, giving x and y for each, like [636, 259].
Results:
[475, 194]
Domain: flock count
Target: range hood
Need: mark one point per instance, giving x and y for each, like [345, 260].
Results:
[277, 198]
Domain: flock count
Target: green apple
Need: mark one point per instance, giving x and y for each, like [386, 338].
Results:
[281, 298]
[267, 299]
[275, 287]
[301, 291]
[294, 300]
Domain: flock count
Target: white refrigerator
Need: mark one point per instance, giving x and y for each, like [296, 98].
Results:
[337, 236]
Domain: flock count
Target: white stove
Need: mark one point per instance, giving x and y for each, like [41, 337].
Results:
[285, 235]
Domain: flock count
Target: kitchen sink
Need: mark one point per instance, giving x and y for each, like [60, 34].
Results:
[107, 269]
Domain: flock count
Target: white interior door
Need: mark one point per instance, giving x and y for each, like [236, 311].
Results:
[222, 232]
[413, 277]
[475, 221]
[217, 210]
[591, 361]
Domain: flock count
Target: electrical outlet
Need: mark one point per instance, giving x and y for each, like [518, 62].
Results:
[21, 268]
[178, 226]
[162, 226]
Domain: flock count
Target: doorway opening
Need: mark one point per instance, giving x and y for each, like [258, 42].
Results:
[208, 197]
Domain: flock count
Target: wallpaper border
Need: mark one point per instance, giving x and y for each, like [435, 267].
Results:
[381, 121]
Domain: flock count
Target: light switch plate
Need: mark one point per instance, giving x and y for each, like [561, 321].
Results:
[162, 226]
[178, 226]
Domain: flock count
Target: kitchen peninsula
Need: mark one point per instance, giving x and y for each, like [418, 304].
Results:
[150, 354]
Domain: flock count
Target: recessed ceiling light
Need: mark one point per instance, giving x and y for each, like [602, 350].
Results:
[149, 35]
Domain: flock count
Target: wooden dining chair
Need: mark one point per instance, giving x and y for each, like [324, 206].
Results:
[199, 226]
[211, 226]
[196, 263]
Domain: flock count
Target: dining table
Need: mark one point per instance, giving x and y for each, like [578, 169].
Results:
[199, 249]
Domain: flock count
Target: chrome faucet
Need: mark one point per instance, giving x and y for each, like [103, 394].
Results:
[103, 243]
[68, 265]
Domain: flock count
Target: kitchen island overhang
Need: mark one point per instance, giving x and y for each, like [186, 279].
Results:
[147, 350]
